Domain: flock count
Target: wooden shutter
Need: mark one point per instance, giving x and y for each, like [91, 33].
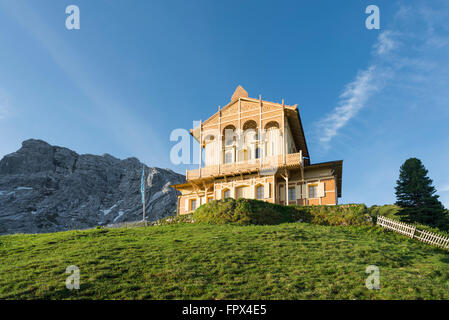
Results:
[253, 192]
[298, 191]
[233, 192]
[218, 194]
[282, 193]
[266, 190]
[321, 189]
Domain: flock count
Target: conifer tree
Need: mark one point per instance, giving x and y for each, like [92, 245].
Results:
[415, 194]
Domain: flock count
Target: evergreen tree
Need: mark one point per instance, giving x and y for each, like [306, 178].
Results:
[415, 194]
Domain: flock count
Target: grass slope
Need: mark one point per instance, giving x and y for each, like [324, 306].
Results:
[200, 261]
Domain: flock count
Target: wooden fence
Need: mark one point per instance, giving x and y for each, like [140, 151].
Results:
[411, 231]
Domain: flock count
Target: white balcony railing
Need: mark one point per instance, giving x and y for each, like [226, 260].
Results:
[267, 163]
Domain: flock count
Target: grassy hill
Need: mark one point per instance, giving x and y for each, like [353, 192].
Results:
[224, 261]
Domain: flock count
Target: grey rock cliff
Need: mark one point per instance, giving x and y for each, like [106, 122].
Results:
[45, 188]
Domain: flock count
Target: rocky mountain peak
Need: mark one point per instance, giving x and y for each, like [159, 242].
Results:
[45, 188]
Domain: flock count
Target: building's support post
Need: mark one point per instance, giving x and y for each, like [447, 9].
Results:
[220, 142]
[260, 142]
[303, 198]
[319, 181]
[335, 188]
[239, 134]
[205, 191]
[286, 186]
[201, 145]
[284, 149]
[195, 188]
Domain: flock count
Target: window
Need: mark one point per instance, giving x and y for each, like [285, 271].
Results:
[256, 136]
[193, 204]
[291, 194]
[260, 192]
[229, 135]
[227, 194]
[313, 191]
[257, 153]
[228, 157]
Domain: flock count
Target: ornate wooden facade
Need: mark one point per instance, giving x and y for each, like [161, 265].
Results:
[257, 149]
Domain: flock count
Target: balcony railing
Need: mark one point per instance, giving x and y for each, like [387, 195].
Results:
[266, 164]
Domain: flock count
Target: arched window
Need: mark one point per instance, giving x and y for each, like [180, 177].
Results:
[210, 146]
[229, 135]
[250, 124]
[272, 138]
[272, 125]
[250, 131]
[226, 193]
[259, 193]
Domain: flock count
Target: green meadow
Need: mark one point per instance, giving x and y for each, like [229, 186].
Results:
[293, 260]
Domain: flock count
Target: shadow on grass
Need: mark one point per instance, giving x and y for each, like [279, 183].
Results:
[445, 259]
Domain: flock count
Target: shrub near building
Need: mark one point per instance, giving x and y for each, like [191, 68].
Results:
[248, 211]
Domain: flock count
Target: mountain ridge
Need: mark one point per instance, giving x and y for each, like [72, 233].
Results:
[45, 188]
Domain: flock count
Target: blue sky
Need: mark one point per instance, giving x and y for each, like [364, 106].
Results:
[137, 70]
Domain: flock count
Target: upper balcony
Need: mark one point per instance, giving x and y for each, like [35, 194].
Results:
[268, 163]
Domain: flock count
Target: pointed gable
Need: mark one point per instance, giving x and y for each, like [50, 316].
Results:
[239, 93]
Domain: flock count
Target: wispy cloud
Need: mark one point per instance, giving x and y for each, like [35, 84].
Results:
[385, 43]
[412, 51]
[358, 92]
[352, 100]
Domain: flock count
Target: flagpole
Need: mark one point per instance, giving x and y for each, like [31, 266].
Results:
[143, 189]
[143, 209]
[144, 218]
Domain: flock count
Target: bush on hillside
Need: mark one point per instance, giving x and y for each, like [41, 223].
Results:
[244, 212]
[395, 212]
[248, 211]
[388, 210]
[339, 215]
